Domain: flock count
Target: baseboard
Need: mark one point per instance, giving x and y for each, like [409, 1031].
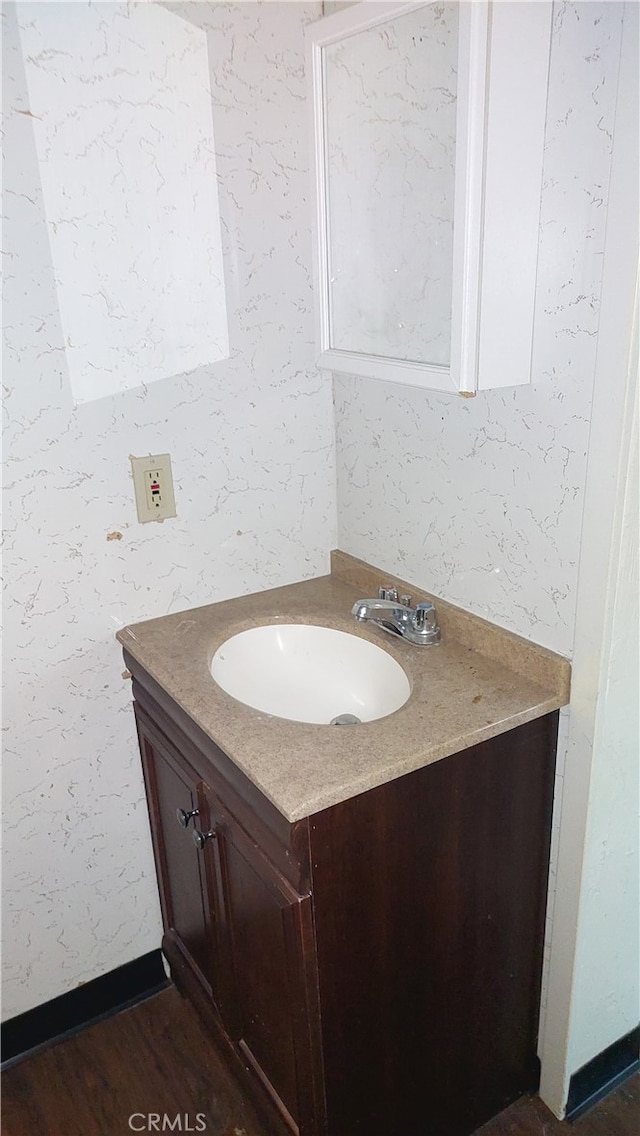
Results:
[599, 1076]
[71, 1012]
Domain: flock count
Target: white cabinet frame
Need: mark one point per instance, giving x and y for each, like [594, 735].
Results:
[503, 60]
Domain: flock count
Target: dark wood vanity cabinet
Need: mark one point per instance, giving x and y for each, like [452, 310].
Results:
[266, 933]
[176, 801]
[235, 925]
[372, 969]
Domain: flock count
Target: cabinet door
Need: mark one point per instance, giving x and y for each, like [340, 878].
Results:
[172, 789]
[267, 950]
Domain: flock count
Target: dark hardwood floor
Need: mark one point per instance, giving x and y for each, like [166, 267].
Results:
[617, 1115]
[156, 1059]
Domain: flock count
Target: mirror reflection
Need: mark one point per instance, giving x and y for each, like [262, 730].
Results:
[390, 112]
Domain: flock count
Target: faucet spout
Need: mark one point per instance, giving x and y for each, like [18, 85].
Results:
[380, 611]
[417, 624]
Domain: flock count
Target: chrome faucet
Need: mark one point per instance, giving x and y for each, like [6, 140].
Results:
[417, 624]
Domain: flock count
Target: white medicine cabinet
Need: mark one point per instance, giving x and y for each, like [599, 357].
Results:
[428, 125]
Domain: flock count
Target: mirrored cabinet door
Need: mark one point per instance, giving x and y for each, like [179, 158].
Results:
[390, 140]
[425, 155]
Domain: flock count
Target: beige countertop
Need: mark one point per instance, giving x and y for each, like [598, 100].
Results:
[478, 682]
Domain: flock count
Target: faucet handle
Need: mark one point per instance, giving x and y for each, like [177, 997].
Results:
[388, 592]
[425, 617]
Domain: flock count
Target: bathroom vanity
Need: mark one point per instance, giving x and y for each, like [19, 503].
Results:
[356, 912]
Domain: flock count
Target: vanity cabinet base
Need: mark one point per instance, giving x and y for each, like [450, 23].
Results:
[191, 989]
[429, 902]
[374, 969]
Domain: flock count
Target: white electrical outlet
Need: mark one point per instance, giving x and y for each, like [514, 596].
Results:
[153, 486]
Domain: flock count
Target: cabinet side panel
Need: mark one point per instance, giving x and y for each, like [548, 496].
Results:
[429, 898]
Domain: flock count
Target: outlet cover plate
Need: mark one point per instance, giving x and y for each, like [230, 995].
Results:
[153, 484]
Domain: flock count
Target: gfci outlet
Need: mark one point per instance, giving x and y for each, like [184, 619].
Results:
[153, 486]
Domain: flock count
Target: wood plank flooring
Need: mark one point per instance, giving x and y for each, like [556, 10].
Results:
[156, 1059]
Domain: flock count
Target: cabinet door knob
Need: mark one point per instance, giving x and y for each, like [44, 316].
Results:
[200, 838]
[183, 817]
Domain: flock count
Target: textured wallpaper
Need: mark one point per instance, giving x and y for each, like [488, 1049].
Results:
[251, 440]
[480, 500]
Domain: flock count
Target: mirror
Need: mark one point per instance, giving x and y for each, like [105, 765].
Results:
[423, 159]
[390, 115]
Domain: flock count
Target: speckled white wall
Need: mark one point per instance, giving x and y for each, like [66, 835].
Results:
[480, 500]
[252, 445]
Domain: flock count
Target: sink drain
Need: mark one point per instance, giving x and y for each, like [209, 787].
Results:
[345, 720]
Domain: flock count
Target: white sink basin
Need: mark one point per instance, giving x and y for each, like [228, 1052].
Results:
[310, 674]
